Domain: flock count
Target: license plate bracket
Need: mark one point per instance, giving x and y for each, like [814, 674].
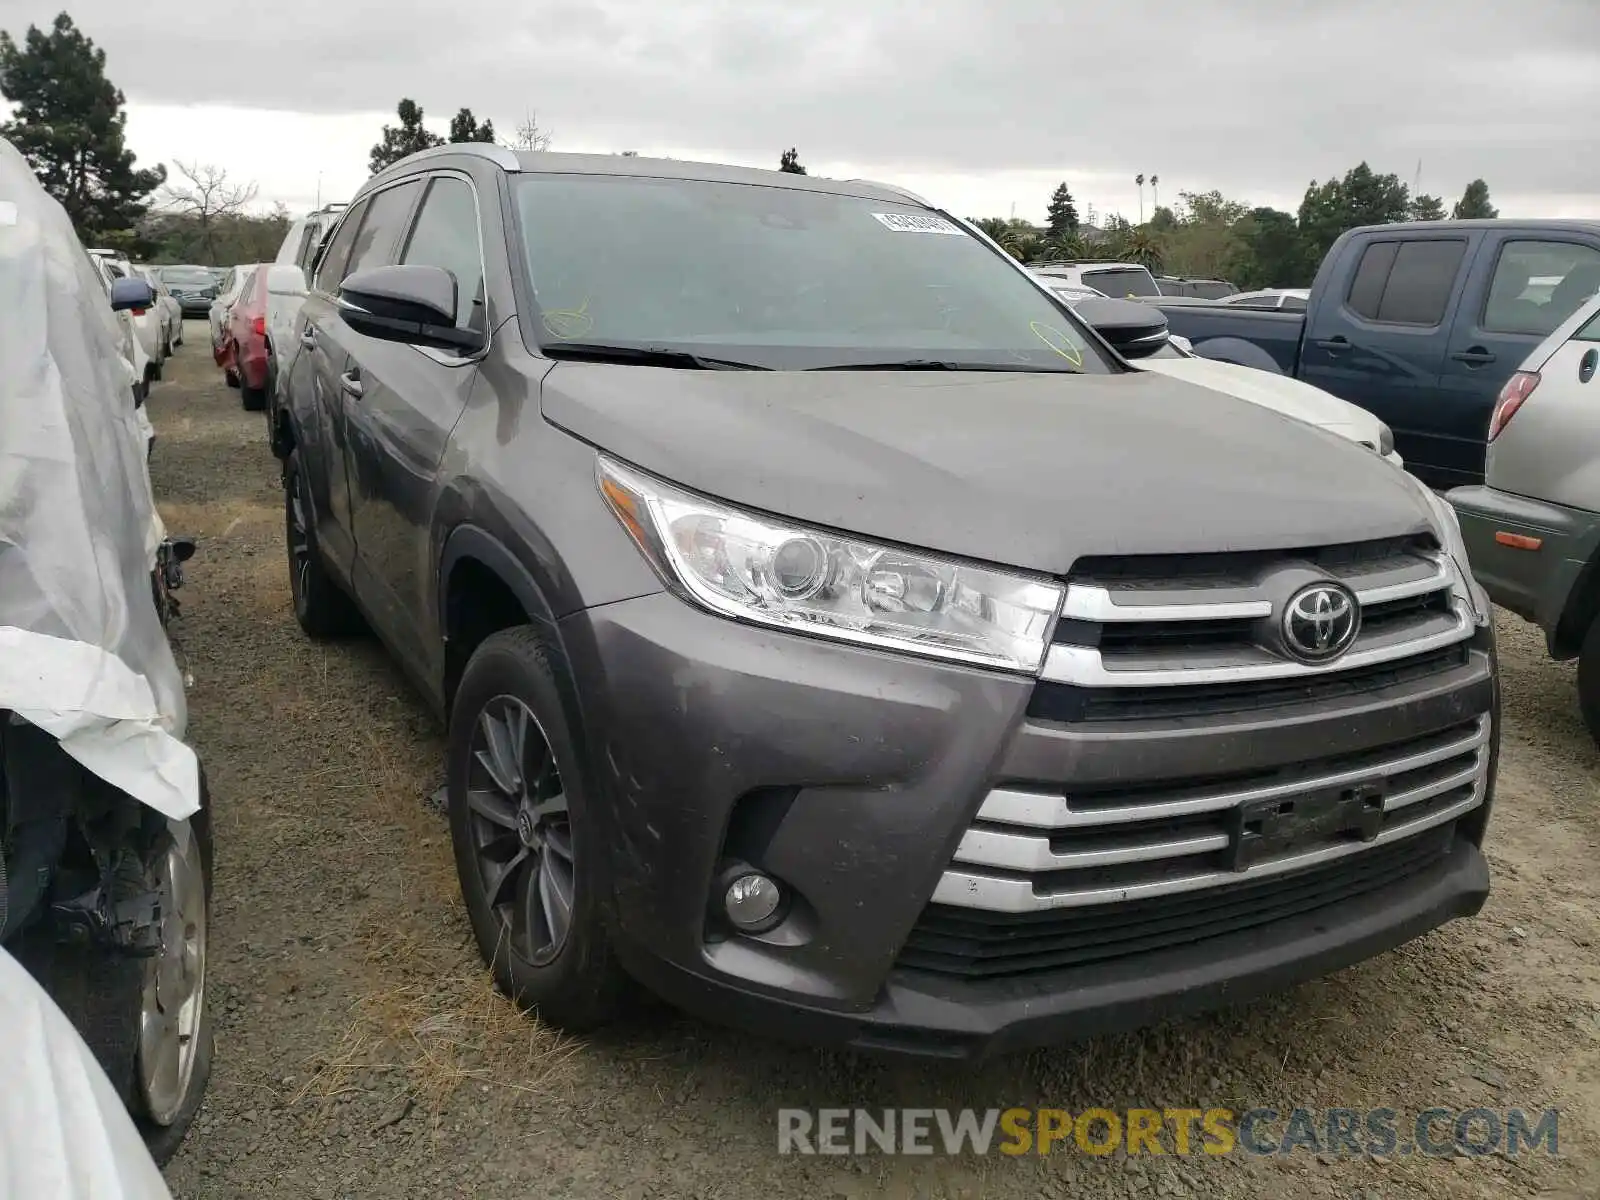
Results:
[1263, 829]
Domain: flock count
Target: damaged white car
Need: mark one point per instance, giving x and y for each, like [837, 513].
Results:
[105, 834]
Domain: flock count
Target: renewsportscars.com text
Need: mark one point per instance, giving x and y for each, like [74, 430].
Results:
[1264, 1132]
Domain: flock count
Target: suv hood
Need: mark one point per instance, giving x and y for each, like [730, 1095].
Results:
[1027, 470]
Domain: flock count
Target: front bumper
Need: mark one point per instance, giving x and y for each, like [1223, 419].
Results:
[1535, 584]
[853, 776]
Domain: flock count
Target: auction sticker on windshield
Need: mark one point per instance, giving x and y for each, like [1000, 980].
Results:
[918, 223]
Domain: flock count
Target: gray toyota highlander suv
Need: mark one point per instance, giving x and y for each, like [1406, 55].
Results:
[838, 636]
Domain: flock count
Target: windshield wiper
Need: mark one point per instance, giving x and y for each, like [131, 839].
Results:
[645, 356]
[934, 364]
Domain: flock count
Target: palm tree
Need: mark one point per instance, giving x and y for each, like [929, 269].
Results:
[1155, 196]
[1142, 247]
[1139, 179]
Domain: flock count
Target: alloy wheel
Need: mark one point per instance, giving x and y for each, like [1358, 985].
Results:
[521, 830]
[299, 540]
[173, 1002]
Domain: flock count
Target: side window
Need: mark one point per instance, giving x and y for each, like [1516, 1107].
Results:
[1417, 287]
[331, 270]
[1537, 285]
[446, 235]
[1372, 273]
[1590, 332]
[381, 227]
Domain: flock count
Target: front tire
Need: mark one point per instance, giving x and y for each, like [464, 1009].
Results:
[320, 605]
[1589, 680]
[528, 854]
[148, 1020]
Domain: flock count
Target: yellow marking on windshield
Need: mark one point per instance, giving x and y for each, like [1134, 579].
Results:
[1058, 341]
[568, 323]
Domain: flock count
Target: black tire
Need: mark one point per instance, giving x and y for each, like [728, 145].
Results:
[580, 985]
[252, 399]
[230, 376]
[1589, 680]
[320, 604]
[102, 993]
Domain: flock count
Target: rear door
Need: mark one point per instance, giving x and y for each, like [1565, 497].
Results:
[313, 394]
[1377, 338]
[1523, 285]
[400, 419]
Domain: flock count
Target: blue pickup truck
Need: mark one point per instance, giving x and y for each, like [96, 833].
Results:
[1419, 323]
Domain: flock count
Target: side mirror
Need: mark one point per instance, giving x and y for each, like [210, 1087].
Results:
[412, 304]
[132, 295]
[1134, 330]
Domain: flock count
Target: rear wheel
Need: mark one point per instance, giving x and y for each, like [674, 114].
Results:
[320, 605]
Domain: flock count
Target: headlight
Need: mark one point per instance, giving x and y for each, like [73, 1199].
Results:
[1456, 547]
[776, 573]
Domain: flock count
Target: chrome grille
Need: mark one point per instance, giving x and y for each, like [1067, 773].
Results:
[1034, 849]
[1208, 621]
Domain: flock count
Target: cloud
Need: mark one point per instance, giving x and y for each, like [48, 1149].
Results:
[1253, 97]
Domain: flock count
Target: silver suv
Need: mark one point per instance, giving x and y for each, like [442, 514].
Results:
[1533, 527]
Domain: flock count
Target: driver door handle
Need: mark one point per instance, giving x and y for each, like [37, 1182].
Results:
[1337, 344]
[1474, 356]
[350, 383]
[308, 336]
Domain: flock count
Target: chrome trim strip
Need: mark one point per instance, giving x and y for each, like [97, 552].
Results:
[964, 889]
[1084, 667]
[1042, 810]
[1091, 602]
[1025, 852]
[1383, 593]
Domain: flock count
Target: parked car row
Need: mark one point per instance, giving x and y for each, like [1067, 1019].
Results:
[770, 680]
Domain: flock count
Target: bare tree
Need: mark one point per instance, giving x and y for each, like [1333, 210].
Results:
[205, 196]
[530, 136]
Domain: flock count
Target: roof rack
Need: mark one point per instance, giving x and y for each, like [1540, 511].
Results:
[892, 187]
[501, 157]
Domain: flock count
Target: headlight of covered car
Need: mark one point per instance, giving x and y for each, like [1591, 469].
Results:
[779, 573]
[1456, 547]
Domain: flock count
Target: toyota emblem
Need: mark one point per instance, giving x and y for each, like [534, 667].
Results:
[1320, 622]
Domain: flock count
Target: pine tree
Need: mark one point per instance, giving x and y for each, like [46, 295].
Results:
[1426, 208]
[404, 139]
[1474, 203]
[69, 124]
[1062, 215]
[464, 127]
[790, 162]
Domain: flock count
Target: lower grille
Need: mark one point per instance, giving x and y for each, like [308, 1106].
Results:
[975, 945]
[1032, 850]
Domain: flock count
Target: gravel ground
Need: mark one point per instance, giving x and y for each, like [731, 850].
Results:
[361, 1051]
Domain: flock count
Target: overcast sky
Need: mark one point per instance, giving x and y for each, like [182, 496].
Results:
[979, 106]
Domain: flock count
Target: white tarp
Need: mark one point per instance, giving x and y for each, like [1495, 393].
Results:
[82, 653]
[64, 1133]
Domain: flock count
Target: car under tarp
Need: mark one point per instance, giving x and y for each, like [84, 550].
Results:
[83, 654]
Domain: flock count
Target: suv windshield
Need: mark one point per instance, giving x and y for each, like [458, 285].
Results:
[776, 277]
[1122, 281]
[196, 276]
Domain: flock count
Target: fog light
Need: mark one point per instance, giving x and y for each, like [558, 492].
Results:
[752, 901]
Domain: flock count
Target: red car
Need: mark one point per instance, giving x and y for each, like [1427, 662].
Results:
[242, 354]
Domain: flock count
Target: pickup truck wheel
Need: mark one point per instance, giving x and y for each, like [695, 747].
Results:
[1589, 680]
[320, 605]
[527, 852]
[252, 399]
